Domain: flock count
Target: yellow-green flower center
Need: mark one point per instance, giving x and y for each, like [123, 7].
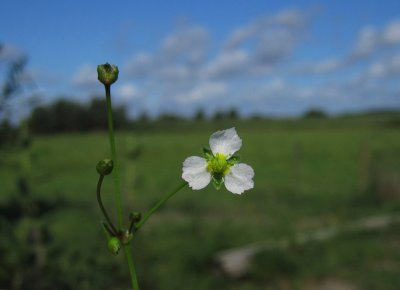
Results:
[218, 166]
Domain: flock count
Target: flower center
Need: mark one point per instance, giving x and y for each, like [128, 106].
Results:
[218, 166]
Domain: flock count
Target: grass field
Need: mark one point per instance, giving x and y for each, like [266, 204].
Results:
[308, 176]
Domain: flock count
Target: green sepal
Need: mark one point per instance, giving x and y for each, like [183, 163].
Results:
[233, 160]
[217, 182]
[207, 153]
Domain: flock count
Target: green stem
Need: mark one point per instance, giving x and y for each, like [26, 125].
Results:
[115, 173]
[118, 195]
[131, 266]
[103, 210]
[159, 204]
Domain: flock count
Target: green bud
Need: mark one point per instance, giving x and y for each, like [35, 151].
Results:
[135, 217]
[113, 245]
[105, 166]
[107, 73]
[126, 237]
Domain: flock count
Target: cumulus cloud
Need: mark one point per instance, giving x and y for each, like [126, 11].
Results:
[254, 64]
[371, 42]
[290, 20]
[372, 39]
[367, 41]
[141, 65]
[258, 47]
[386, 68]
[391, 33]
[85, 76]
[127, 92]
[320, 67]
[227, 64]
[187, 46]
[180, 52]
[202, 92]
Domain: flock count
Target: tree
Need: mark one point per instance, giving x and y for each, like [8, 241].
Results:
[315, 113]
[13, 83]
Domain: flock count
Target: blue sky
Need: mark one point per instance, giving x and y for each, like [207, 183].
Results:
[273, 57]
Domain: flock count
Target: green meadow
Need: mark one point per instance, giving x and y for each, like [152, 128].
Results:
[309, 175]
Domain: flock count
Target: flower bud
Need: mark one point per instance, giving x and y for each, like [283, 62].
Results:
[105, 166]
[113, 245]
[107, 73]
[135, 216]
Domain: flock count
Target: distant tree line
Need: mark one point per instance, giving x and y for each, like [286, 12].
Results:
[315, 113]
[67, 116]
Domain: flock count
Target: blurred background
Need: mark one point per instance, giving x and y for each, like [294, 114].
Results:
[312, 88]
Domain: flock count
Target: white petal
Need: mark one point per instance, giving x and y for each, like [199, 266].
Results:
[239, 178]
[226, 142]
[195, 172]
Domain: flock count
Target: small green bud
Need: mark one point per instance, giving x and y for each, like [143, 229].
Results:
[135, 217]
[113, 245]
[126, 237]
[107, 73]
[105, 166]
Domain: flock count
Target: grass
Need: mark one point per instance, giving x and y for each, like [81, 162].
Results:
[307, 177]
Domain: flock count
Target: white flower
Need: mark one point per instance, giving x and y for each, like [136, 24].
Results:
[220, 165]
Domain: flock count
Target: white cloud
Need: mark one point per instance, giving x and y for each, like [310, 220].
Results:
[371, 42]
[127, 92]
[227, 64]
[85, 76]
[391, 33]
[386, 68]
[202, 92]
[258, 47]
[320, 67]
[141, 65]
[372, 39]
[290, 20]
[274, 46]
[188, 45]
[183, 73]
[180, 53]
[367, 41]
[175, 73]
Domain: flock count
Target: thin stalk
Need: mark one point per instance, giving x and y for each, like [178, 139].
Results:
[132, 226]
[103, 209]
[159, 204]
[118, 195]
[108, 229]
[131, 266]
[115, 173]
